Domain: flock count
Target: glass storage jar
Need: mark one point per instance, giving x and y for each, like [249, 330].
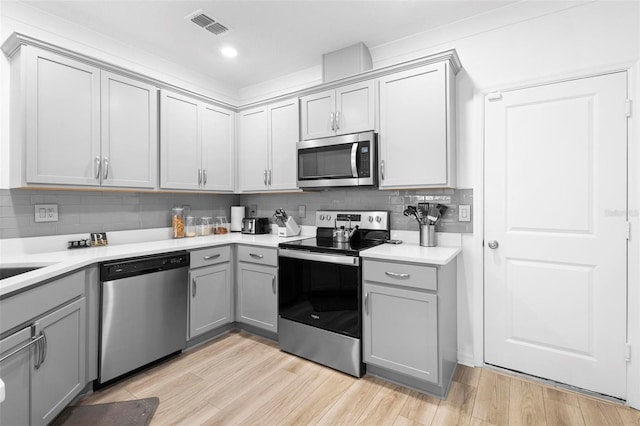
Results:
[177, 222]
[204, 228]
[189, 226]
[221, 226]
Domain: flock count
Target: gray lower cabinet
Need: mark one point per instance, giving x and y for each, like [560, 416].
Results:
[58, 376]
[210, 297]
[257, 297]
[15, 368]
[410, 323]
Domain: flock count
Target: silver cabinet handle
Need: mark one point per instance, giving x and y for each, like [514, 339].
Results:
[397, 275]
[333, 122]
[97, 160]
[493, 244]
[199, 176]
[42, 350]
[34, 340]
[211, 256]
[382, 169]
[256, 256]
[265, 177]
[269, 174]
[38, 355]
[193, 288]
[338, 120]
[44, 347]
[366, 303]
[204, 176]
[105, 165]
[273, 284]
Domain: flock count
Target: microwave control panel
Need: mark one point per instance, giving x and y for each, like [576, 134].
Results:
[364, 162]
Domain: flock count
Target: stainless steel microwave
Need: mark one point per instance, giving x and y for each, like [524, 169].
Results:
[349, 160]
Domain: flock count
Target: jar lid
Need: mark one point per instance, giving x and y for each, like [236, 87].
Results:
[189, 217]
[177, 209]
[206, 217]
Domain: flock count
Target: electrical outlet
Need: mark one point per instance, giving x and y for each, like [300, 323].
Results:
[46, 213]
[302, 211]
[254, 210]
[464, 213]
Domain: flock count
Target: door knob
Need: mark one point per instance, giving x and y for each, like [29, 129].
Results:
[493, 244]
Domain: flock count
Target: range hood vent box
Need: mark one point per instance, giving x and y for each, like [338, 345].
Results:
[345, 62]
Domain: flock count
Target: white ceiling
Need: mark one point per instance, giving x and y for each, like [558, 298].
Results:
[274, 38]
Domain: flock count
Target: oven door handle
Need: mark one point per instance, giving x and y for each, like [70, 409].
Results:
[327, 258]
[354, 154]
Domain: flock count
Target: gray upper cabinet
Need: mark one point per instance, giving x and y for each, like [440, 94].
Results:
[197, 144]
[129, 145]
[417, 128]
[347, 109]
[83, 126]
[267, 147]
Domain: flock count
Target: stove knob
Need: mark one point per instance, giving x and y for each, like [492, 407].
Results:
[321, 217]
[378, 219]
[328, 217]
[370, 218]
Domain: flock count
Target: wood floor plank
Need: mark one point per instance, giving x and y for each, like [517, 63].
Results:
[526, 404]
[559, 413]
[558, 395]
[420, 408]
[457, 408]
[599, 413]
[350, 406]
[467, 375]
[492, 398]
[629, 416]
[385, 406]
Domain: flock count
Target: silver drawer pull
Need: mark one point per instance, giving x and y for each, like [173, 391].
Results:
[211, 256]
[397, 275]
[256, 256]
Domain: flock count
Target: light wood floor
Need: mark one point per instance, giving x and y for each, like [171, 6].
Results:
[244, 379]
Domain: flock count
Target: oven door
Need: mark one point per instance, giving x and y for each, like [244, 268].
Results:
[320, 290]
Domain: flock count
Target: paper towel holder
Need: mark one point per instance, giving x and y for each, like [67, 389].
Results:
[237, 214]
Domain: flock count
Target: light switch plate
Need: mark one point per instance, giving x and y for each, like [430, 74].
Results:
[302, 211]
[464, 213]
[46, 213]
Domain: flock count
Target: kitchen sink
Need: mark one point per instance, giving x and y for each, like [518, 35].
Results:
[12, 271]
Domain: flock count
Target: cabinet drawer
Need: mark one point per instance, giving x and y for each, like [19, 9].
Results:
[261, 255]
[408, 275]
[26, 306]
[209, 256]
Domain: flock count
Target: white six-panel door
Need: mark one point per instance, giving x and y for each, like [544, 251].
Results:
[555, 180]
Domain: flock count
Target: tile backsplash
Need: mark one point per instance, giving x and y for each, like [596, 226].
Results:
[97, 211]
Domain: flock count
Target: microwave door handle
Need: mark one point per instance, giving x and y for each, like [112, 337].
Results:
[354, 156]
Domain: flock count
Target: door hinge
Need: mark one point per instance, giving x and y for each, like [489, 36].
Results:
[628, 230]
[494, 96]
[627, 352]
[627, 107]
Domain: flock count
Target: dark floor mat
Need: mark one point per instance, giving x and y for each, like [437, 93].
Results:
[137, 412]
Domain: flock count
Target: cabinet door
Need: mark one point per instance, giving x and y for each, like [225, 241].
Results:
[179, 142]
[318, 115]
[129, 132]
[63, 120]
[218, 148]
[210, 300]
[401, 331]
[284, 133]
[14, 372]
[413, 128]
[60, 375]
[253, 150]
[355, 108]
[257, 303]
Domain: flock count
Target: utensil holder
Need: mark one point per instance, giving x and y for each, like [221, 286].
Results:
[428, 236]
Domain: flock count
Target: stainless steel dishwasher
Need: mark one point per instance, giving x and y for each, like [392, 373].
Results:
[143, 312]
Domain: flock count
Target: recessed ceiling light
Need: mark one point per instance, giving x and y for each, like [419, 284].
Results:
[229, 52]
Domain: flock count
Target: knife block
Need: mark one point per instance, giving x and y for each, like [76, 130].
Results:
[290, 228]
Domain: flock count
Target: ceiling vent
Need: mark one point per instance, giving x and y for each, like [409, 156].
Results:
[206, 22]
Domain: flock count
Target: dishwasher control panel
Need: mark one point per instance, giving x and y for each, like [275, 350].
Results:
[123, 268]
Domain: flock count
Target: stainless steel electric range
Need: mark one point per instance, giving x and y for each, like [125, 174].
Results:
[320, 288]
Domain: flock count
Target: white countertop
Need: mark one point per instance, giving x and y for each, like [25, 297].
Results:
[51, 251]
[411, 252]
[17, 254]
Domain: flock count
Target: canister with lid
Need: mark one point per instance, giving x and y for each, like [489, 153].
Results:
[177, 222]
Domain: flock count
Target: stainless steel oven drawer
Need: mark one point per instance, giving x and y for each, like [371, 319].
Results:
[403, 274]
